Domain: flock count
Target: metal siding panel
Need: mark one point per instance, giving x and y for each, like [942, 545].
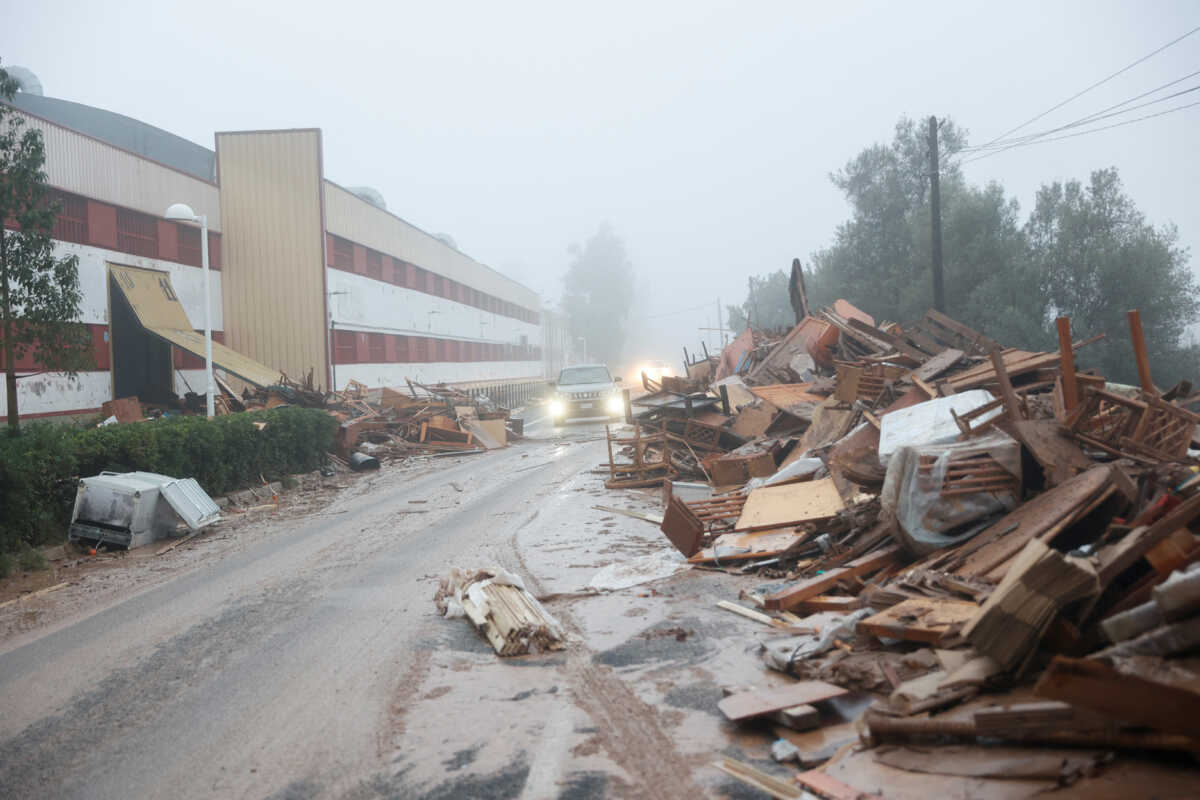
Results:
[86, 166]
[272, 240]
[349, 216]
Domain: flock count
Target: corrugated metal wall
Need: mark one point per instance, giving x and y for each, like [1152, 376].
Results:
[86, 166]
[351, 217]
[273, 244]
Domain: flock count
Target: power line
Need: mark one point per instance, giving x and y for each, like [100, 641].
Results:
[1080, 133]
[1100, 82]
[1101, 114]
[1088, 120]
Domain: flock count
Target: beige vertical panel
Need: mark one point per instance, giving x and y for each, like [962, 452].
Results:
[349, 216]
[82, 165]
[273, 277]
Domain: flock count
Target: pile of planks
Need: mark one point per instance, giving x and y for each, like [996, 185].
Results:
[1034, 550]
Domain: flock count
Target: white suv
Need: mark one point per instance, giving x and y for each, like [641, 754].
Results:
[586, 391]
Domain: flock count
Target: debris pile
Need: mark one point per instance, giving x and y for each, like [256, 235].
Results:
[501, 609]
[375, 423]
[991, 544]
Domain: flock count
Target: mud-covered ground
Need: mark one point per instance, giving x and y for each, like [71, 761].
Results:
[297, 652]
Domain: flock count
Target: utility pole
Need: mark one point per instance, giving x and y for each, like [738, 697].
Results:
[935, 213]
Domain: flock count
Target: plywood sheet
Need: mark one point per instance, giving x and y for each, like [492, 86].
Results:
[773, 506]
[742, 546]
[757, 702]
[920, 619]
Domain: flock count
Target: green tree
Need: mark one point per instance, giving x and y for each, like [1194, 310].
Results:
[766, 307]
[598, 294]
[39, 292]
[1097, 257]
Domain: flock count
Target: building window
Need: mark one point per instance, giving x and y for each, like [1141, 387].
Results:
[189, 245]
[71, 223]
[419, 349]
[374, 264]
[417, 276]
[137, 233]
[376, 348]
[402, 349]
[344, 347]
[343, 254]
[430, 282]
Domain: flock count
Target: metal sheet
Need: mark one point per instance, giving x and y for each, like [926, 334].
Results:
[191, 503]
[158, 309]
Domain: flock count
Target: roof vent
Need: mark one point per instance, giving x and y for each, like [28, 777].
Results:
[27, 82]
[372, 196]
[446, 239]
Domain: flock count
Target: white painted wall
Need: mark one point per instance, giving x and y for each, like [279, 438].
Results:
[370, 305]
[54, 392]
[351, 217]
[394, 374]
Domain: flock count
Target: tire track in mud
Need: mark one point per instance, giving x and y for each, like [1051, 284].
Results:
[627, 728]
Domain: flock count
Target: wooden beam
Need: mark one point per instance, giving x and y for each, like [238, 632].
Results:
[1069, 383]
[1139, 351]
[794, 595]
[1012, 406]
[1095, 685]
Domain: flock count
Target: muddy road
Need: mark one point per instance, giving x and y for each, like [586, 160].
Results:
[308, 660]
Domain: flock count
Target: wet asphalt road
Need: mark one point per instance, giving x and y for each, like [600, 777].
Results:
[288, 669]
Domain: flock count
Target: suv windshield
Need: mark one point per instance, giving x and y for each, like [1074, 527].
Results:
[574, 375]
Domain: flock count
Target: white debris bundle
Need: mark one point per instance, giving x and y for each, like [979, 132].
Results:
[500, 608]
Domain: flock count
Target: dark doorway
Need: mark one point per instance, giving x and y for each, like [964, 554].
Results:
[141, 362]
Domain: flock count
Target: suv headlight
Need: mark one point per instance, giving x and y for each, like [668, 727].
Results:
[557, 408]
[615, 403]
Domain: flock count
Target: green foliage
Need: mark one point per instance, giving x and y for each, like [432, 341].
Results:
[6, 565]
[598, 293]
[1085, 252]
[39, 292]
[40, 468]
[767, 306]
[30, 559]
[1098, 258]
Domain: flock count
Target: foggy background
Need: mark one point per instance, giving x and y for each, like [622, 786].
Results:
[702, 132]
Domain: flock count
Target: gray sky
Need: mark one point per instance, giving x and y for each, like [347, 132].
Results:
[703, 132]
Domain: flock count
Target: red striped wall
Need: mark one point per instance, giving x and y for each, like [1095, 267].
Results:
[100, 353]
[359, 347]
[358, 259]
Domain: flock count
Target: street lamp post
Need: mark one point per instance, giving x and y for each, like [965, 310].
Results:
[181, 212]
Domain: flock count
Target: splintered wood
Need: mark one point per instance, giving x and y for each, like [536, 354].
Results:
[497, 604]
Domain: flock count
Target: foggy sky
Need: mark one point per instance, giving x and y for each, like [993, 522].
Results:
[703, 132]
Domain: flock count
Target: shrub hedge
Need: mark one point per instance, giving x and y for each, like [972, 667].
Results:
[40, 468]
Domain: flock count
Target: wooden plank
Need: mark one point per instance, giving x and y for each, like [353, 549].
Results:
[773, 506]
[764, 782]
[792, 596]
[752, 421]
[825, 785]
[1117, 558]
[1139, 351]
[937, 365]
[1030, 717]
[758, 702]
[1070, 386]
[920, 619]
[1012, 406]
[825, 602]
[1060, 458]
[750, 613]
[1121, 695]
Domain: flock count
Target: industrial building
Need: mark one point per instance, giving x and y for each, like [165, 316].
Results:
[308, 278]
